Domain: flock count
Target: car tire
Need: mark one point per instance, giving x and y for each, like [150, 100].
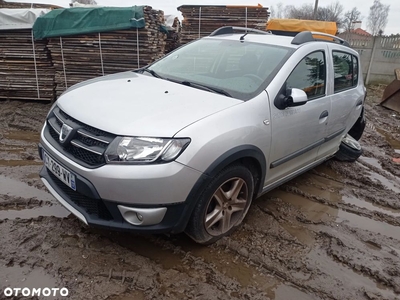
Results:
[358, 128]
[222, 205]
[349, 151]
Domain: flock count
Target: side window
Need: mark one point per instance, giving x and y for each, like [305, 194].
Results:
[309, 75]
[346, 70]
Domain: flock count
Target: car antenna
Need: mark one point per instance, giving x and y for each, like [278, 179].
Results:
[242, 37]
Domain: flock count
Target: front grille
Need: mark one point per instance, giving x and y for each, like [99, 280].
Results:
[85, 143]
[93, 207]
[88, 157]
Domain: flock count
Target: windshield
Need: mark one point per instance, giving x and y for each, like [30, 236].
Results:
[240, 69]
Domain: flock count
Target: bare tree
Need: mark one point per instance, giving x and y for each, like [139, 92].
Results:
[332, 12]
[349, 18]
[280, 13]
[304, 12]
[277, 12]
[378, 17]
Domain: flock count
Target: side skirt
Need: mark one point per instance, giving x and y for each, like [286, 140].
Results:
[271, 186]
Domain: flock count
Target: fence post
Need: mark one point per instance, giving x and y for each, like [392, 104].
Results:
[371, 60]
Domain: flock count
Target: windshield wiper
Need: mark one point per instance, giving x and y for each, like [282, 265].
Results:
[152, 72]
[206, 88]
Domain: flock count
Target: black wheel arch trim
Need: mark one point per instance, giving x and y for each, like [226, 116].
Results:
[232, 155]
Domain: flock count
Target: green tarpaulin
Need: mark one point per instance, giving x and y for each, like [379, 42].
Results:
[80, 20]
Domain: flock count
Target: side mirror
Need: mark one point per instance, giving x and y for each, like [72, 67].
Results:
[290, 97]
[296, 97]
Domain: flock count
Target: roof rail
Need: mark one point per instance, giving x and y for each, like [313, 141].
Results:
[233, 29]
[307, 36]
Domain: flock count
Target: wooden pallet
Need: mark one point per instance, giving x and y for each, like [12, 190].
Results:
[200, 21]
[81, 57]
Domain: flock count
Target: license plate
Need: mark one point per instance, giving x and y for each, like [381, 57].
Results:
[63, 174]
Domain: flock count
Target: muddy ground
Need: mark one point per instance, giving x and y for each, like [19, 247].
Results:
[332, 233]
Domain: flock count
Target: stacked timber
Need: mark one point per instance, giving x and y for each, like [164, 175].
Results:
[7, 4]
[81, 57]
[174, 36]
[201, 20]
[26, 71]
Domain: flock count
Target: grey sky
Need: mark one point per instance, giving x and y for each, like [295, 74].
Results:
[169, 6]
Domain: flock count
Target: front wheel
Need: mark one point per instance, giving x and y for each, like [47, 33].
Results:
[222, 206]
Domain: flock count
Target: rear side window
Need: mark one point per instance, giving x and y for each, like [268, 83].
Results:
[346, 70]
[309, 75]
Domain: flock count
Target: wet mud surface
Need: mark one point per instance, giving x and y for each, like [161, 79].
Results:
[332, 233]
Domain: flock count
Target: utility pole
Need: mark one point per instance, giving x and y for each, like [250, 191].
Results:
[315, 9]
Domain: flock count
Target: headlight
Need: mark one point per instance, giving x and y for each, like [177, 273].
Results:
[144, 149]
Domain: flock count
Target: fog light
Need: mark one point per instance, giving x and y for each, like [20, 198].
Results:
[142, 216]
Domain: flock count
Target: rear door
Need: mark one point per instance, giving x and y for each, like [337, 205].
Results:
[297, 132]
[347, 94]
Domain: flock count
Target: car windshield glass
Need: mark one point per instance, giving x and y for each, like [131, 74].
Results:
[240, 69]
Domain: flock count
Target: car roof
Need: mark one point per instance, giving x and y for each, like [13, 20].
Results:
[263, 37]
[278, 40]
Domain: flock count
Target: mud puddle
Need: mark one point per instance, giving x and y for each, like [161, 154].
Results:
[57, 211]
[346, 275]
[390, 139]
[19, 163]
[16, 150]
[363, 223]
[286, 292]
[184, 260]
[27, 136]
[21, 277]
[370, 206]
[314, 211]
[388, 183]
[17, 188]
[320, 213]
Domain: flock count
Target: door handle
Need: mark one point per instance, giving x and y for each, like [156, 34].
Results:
[324, 114]
[359, 102]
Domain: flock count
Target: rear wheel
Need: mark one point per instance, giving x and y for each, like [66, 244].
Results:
[222, 206]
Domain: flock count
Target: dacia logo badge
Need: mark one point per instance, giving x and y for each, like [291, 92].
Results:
[64, 133]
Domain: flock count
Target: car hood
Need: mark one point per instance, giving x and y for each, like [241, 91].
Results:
[139, 105]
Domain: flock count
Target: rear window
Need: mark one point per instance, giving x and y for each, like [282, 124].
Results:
[243, 69]
[346, 70]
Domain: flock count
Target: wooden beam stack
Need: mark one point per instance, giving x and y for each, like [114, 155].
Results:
[81, 57]
[174, 36]
[19, 78]
[201, 20]
[7, 4]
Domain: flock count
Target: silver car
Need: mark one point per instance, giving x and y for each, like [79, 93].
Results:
[187, 142]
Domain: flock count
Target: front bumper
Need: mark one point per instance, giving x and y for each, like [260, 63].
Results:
[91, 207]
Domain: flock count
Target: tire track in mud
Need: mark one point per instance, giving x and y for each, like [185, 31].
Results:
[177, 274]
[321, 204]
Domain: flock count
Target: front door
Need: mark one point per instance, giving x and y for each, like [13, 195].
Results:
[297, 132]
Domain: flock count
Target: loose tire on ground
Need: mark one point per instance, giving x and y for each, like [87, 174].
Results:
[222, 206]
[348, 153]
